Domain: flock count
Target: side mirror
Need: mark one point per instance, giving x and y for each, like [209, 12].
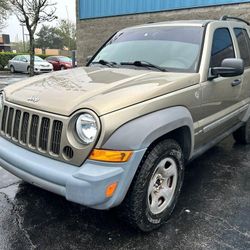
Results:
[88, 58]
[229, 67]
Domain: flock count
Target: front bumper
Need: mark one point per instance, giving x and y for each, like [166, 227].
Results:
[85, 185]
[43, 70]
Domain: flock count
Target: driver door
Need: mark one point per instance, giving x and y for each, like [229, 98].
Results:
[221, 96]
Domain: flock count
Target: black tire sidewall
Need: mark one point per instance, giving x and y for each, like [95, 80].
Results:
[149, 221]
[12, 69]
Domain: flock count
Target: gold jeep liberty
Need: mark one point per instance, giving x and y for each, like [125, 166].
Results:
[119, 131]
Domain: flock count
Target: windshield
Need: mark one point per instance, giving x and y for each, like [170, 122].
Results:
[173, 48]
[65, 59]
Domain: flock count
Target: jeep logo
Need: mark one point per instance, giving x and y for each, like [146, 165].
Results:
[33, 99]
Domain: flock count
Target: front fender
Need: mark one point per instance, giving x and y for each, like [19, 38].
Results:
[141, 132]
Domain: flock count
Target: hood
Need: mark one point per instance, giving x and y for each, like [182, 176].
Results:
[42, 63]
[102, 90]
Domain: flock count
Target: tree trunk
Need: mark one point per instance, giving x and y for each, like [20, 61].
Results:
[32, 55]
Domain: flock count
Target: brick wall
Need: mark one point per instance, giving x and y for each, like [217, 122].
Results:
[92, 33]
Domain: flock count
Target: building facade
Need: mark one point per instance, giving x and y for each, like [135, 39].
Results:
[97, 20]
[5, 43]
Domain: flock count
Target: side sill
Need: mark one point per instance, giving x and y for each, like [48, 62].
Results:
[212, 143]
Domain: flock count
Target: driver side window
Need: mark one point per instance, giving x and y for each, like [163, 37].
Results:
[222, 47]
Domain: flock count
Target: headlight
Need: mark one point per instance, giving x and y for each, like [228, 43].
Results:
[86, 128]
[1, 102]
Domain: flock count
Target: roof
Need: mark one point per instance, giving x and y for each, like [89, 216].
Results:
[195, 23]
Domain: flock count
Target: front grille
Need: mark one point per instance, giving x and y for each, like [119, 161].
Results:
[32, 130]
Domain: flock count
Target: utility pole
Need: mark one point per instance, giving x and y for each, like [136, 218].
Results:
[68, 24]
[23, 25]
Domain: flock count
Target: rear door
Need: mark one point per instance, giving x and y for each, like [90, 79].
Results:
[23, 64]
[221, 98]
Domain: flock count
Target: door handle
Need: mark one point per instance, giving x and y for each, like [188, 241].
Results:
[236, 82]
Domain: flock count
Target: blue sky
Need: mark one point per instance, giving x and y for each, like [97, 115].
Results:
[15, 30]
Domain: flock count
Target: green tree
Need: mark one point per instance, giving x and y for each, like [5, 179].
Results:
[4, 11]
[49, 38]
[67, 31]
[32, 13]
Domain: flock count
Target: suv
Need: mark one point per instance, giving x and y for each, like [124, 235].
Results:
[120, 131]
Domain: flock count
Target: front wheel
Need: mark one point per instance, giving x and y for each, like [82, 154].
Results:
[12, 69]
[156, 187]
[242, 135]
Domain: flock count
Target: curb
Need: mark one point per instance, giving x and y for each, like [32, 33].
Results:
[5, 72]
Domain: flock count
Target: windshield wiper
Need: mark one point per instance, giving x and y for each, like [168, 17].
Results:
[144, 64]
[106, 63]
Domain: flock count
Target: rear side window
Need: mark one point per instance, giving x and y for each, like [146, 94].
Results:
[244, 43]
[222, 47]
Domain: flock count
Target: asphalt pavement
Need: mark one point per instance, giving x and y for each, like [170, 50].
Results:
[213, 212]
[6, 78]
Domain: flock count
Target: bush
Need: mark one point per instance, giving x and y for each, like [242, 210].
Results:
[6, 56]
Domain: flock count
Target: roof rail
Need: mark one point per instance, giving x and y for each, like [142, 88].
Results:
[224, 18]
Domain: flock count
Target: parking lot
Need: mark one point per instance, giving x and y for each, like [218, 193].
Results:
[212, 213]
[7, 78]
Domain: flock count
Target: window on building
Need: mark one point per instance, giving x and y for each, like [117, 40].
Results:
[222, 47]
[244, 43]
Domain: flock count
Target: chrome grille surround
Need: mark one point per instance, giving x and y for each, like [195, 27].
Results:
[42, 132]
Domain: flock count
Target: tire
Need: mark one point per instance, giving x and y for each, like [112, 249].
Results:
[12, 69]
[242, 135]
[63, 68]
[145, 206]
[28, 70]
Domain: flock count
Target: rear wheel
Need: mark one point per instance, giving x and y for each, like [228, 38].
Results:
[156, 187]
[242, 135]
[12, 69]
[63, 67]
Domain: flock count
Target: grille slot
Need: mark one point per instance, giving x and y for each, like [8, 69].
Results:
[44, 134]
[10, 120]
[33, 130]
[24, 128]
[16, 124]
[5, 113]
[68, 152]
[56, 137]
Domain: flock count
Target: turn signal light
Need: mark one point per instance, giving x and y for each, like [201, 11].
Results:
[110, 155]
[111, 189]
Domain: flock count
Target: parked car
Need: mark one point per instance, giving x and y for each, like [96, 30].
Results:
[120, 131]
[21, 63]
[60, 62]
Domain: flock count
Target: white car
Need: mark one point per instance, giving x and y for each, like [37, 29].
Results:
[21, 63]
